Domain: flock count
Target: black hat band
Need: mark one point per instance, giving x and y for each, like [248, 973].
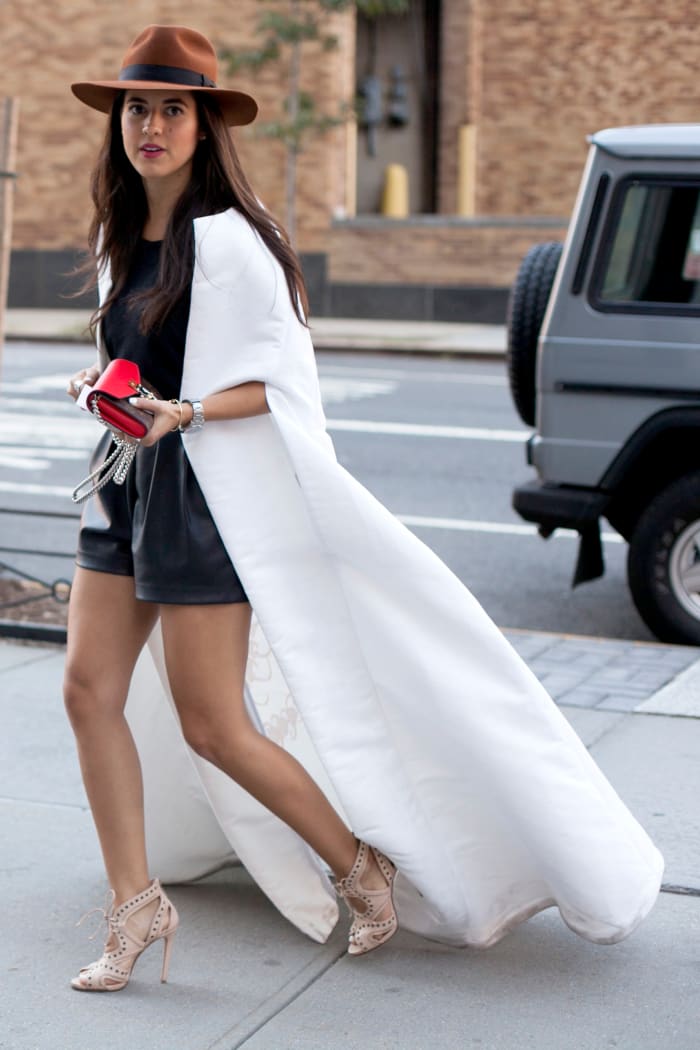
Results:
[170, 74]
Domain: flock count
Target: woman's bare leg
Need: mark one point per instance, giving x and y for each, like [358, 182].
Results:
[206, 649]
[107, 628]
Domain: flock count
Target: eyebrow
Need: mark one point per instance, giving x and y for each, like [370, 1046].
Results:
[165, 101]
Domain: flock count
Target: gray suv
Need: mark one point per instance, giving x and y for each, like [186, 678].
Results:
[604, 362]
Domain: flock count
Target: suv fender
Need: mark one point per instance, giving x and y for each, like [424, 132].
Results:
[664, 448]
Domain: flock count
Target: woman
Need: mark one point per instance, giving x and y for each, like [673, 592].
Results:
[173, 143]
[440, 746]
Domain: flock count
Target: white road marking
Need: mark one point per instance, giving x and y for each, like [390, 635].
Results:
[26, 458]
[357, 373]
[366, 426]
[78, 431]
[36, 384]
[43, 405]
[336, 389]
[501, 528]
[48, 453]
[27, 489]
[466, 378]
[18, 463]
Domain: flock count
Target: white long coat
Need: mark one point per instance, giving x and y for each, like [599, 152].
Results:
[374, 665]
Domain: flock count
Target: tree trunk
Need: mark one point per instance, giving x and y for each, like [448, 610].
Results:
[293, 143]
[291, 194]
[9, 111]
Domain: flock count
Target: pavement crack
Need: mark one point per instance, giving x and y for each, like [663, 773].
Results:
[683, 891]
[23, 662]
[83, 807]
[278, 1002]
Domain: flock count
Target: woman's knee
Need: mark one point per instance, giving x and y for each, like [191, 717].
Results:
[226, 747]
[88, 699]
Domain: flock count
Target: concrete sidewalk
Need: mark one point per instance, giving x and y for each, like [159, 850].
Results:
[328, 333]
[241, 976]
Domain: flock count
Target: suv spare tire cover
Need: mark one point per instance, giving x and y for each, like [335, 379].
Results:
[526, 307]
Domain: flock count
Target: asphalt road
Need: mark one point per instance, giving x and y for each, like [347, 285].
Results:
[436, 440]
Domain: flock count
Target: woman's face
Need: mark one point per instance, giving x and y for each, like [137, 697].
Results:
[160, 132]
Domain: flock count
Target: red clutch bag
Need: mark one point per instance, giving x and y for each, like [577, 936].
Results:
[109, 399]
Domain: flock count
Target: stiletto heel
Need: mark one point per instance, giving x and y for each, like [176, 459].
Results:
[368, 931]
[112, 971]
[167, 948]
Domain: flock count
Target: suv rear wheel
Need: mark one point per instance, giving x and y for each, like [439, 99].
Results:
[663, 562]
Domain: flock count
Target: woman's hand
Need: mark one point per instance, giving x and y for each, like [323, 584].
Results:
[166, 417]
[85, 376]
[237, 402]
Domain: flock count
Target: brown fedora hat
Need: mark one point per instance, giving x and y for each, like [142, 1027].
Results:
[164, 57]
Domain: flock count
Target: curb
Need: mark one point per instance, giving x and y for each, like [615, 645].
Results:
[370, 335]
[332, 345]
[66, 337]
[27, 631]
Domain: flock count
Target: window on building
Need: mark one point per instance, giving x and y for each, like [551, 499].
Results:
[651, 252]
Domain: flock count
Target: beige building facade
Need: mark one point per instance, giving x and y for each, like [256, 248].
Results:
[486, 105]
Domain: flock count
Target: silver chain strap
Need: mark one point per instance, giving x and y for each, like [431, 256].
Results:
[115, 467]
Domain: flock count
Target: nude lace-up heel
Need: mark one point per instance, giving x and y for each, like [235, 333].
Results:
[112, 971]
[368, 931]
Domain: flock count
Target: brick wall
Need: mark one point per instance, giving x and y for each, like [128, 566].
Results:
[553, 71]
[434, 252]
[534, 76]
[46, 45]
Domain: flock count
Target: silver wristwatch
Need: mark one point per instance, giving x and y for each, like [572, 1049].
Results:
[197, 421]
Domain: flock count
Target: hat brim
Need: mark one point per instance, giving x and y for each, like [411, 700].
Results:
[236, 107]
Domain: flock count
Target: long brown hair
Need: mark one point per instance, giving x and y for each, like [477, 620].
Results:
[218, 182]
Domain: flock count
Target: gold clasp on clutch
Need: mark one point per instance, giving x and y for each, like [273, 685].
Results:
[141, 390]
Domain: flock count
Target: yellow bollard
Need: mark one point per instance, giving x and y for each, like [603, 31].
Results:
[466, 177]
[395, 193]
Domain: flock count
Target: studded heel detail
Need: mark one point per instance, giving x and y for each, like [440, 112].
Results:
[368, 930]
[112, 971]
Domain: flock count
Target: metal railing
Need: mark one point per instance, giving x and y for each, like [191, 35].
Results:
[59, 588]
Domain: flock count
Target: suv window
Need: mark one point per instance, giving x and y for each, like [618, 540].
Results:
[651, 249]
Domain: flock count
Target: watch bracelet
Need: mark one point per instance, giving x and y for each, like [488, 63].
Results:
[198, 418]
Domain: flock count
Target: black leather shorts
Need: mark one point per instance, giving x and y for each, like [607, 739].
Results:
[157, 528]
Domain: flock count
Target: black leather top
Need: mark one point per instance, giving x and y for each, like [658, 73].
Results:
[159, 354]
